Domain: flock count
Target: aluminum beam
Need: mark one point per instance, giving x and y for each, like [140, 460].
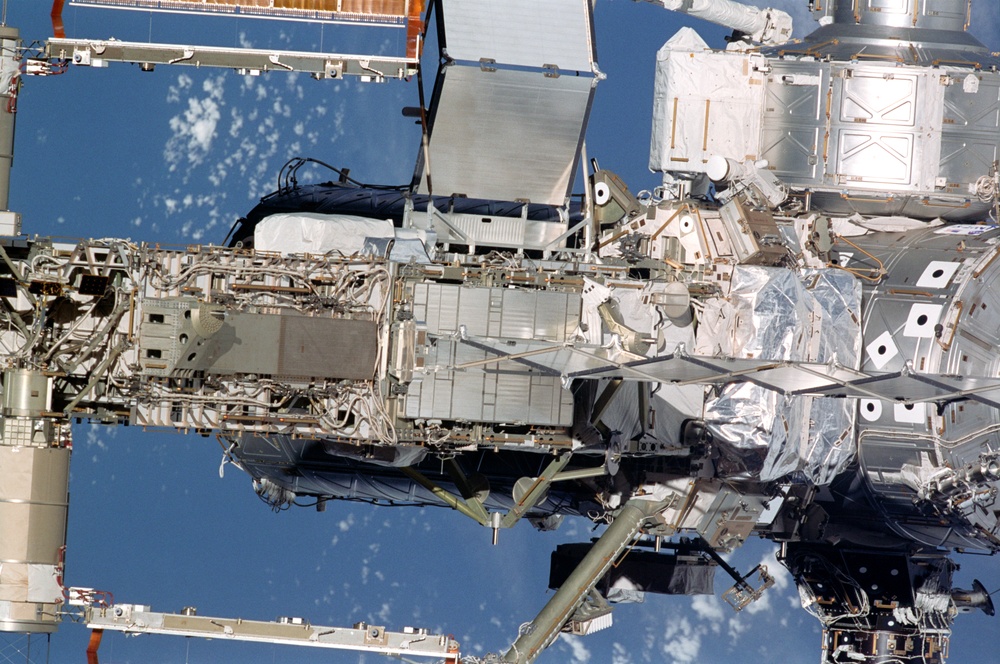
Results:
[88, 52]
[138, 619]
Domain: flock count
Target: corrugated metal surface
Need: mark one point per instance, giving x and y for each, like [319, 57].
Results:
[486, 396]
[497, 312]
[507, 134]
[529, 33]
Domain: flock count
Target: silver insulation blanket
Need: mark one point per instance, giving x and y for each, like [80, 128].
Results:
[778, 314]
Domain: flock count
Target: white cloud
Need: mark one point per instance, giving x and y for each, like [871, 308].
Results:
[620, 655]
[236, 122]
[174, 91]
[222, 141]
[782, 578]
[782, 582]
[194, 129]
[580, 652]
[345, 524]
[94, 438]
[682, 641]
[383, 614]
[736, 628]
[708, 607]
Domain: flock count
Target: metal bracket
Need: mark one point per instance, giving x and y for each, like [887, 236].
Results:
[742, 594]
[472, 509]
[536, 492]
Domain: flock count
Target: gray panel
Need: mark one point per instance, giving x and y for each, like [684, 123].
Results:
[530, 33]
[539, 315]
[507, 135]
[285, 346]
[874, 140]
[494, 231]
[510, 403]
[970, 129]
[873, 157]
[512, 395]
[337, 348]
[866, 149]
[871, 96]
[966, 158]
[497, 312]
[794, 120]
[936, 10]
[793, 152]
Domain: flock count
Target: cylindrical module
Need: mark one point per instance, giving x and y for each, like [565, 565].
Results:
[34, 502]
[9, 75]
[938, 15]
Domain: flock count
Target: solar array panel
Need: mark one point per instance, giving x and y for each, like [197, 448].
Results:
[371, 11]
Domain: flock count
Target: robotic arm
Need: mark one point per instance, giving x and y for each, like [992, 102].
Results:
[764, 26]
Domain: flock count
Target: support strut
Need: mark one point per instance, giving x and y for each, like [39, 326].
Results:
[543, 630]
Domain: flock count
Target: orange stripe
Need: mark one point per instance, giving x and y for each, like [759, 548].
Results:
[58, 30]
[95, 643]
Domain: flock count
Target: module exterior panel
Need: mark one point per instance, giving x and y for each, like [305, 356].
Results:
[794, 118]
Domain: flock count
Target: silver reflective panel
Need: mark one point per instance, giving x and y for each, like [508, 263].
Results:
[519, 396]
[529, 33]
[507, 135]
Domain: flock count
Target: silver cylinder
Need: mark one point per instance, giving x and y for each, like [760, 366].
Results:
[34, 503]
[9, 74]
[26, 393]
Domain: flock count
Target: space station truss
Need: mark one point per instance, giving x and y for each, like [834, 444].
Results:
[404, 14]
[358, 11]
[135, 619]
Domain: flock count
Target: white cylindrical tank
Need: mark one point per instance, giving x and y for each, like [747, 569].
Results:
[34, 502]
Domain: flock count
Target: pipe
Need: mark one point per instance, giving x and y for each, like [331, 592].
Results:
[606, 550]
[9, 83]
